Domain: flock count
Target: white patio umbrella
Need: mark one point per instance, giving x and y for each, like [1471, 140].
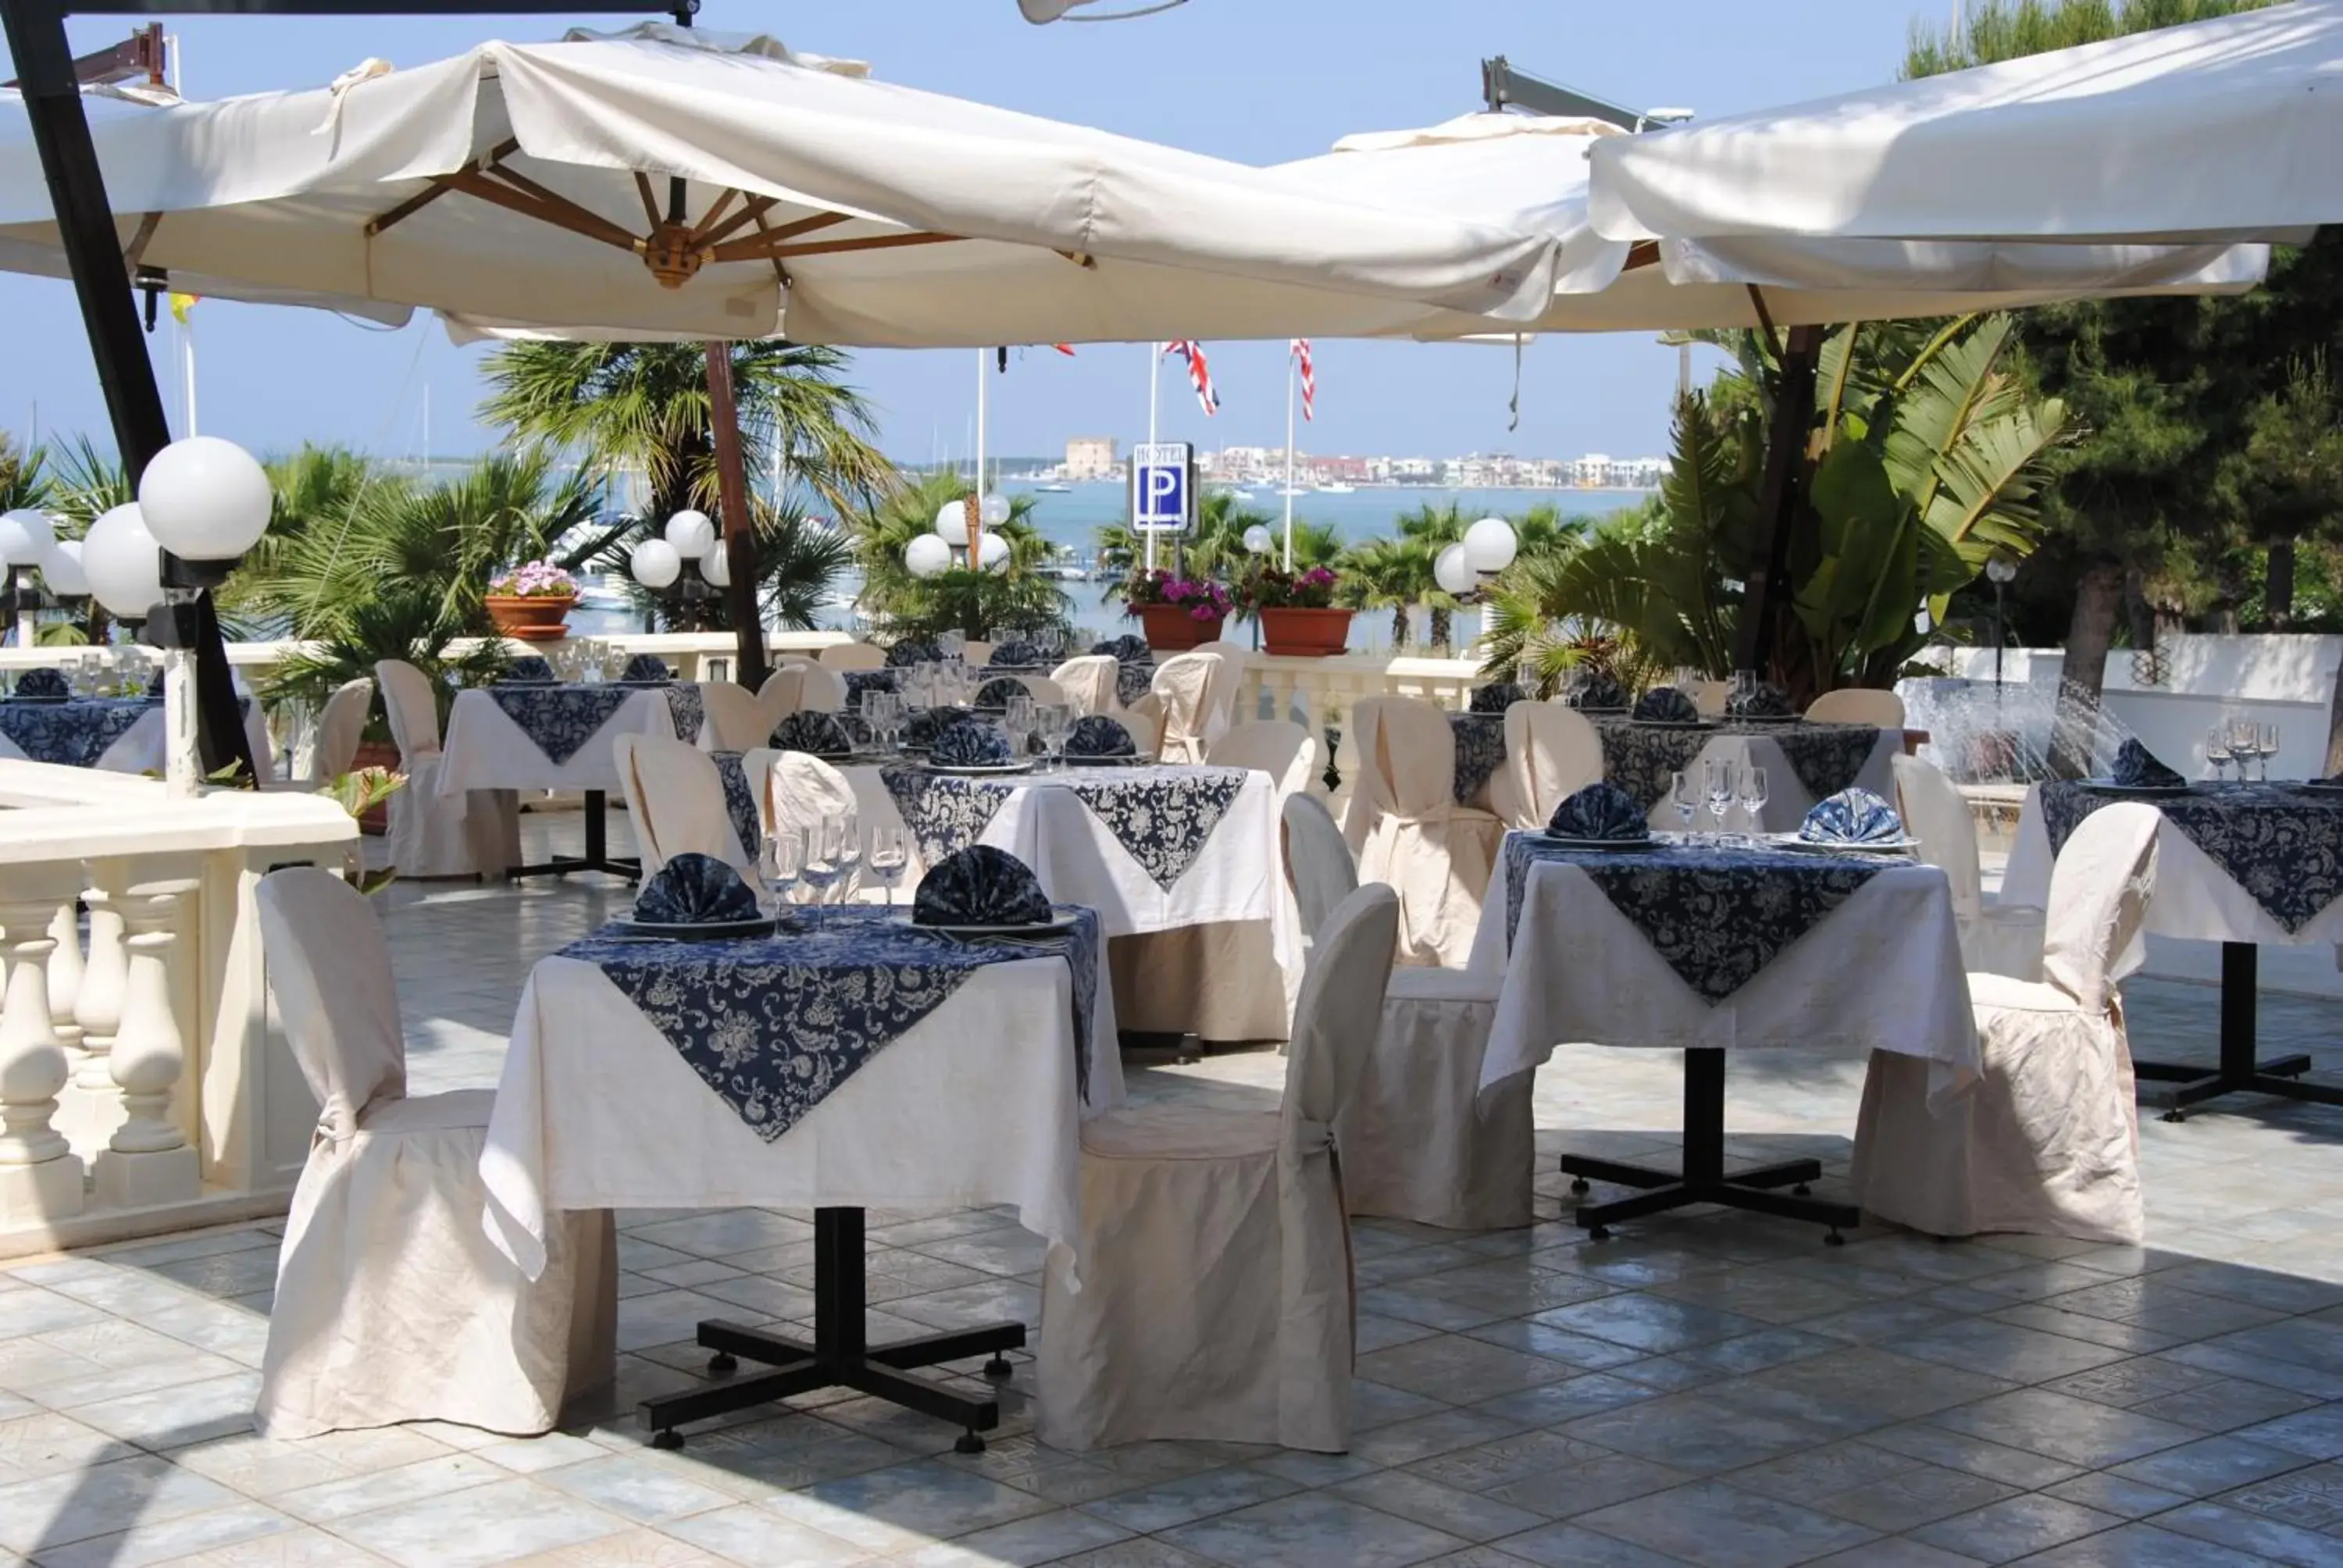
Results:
[2218, 130]
[668, 182]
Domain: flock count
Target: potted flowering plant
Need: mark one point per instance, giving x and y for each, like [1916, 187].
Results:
[1179, 613]
[532, 601]
[1297, 612]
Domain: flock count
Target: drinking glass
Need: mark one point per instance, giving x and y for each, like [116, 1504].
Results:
[2244, 744]
[953, 644]
[1744, 682]
[884, 712]
[1019, 716]
[1753, 796]
[1687, 804]
[819, 867]
[1720, 790]
[887, 855]
[2216, 751]
[1057, 726]
[780, 860]
[2266, 746]
[846, 851]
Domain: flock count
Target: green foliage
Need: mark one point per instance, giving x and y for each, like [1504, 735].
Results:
[798, 559]
[1023, 597]
[24, 477]
[359, 793]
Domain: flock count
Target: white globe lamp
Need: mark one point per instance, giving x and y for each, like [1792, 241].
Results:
[656, 564]
[1452, 572]
[122, 563]
[951, 525]
[993, 509]
[992, 555]
[716, 564]
[26, 537]
[1259, 540]
[928, 556]
[690, 533]
[1490, 546]
[206, 499]
[61, 569]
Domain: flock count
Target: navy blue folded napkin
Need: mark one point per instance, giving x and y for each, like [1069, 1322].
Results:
[1666, 705]
[1127, 649]
[694, 889]
[1099, 736]
[1852, 816]
[1600, 810]
[645, 669]
[1763, 700]
[980, 885]
[1496, 697]
[45, 685]
[995, 693]
[818, 733]
[2137, 767]
[529, 669]
[913, 650]
[969, 742]
[1598, 690]
[1020, 653]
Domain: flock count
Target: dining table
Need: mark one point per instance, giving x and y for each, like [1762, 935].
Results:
[848, 1059]
[1711, 945]
[2246, 865]
[557, 736]
[114, 734]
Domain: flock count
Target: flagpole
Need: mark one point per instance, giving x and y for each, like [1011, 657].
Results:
[1154, 385]
[1288, 457]
[980, 412]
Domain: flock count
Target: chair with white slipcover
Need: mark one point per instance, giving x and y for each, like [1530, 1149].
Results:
[821, 690]
[675, 798]
[1996, 938]
[1145, 719]
[1857, 705]
[975, 654]
[1552, 751]
[1089, 683]
[2045, 1141]
[736, 717]
[852, 655]
[1408, 831]
[1418, 1141]
[475, 833]
[1215, 1299]
[1709, 697]
[1042, 689]
[1277, 747]
[392, 1304]
[1192, 688]
[331, 748]
[782, 694]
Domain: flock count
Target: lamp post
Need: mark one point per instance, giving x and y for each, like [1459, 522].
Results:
[26, 540]
[1463, 568]
[966, 539]
[660, 565]
[1258, 542]
[2000, 569]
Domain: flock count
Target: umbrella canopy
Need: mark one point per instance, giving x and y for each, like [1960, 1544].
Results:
[668, 182]
[2218, 130]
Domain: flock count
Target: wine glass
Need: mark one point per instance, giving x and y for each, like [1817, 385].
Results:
[1753, 795]
[780, 860]
[887, 855]
[846, 851]
[1020, 719]
[819, 867]
[2244, 744]
[1720, 790]
[1057, 728]
[1687, 804]
[2265, 745]
[952, 644]
[2216, 751]
[883, 712]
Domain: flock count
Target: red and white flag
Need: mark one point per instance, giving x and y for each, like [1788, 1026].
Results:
[1309, 378]
[1200, 375]
[1065, 349]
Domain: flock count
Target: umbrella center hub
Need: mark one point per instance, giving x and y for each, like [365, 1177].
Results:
[674, 254]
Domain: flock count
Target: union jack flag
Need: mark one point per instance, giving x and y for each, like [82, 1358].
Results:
[1309, 378]
[1200, 375]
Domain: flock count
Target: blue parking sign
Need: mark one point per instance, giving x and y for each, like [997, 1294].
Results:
[1163, 498]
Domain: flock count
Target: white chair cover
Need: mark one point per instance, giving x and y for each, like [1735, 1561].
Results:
[820, 690]
[1216, 1300]
[474, 833]
[1145, 719]
[736, 716]
[976, 655]
[800, 792]
[1552, 751]
[1709, 696]
[1044, 689]
[1996, 938]
[1410, 832]
[1277, 747]
[675, 799]
[1089, 683]
[782, 693]
[852, 655]
[1318, 862]
[341, 725]
[392, 1304]
[2047, 1141]
[1184, 686]
[1857, 705]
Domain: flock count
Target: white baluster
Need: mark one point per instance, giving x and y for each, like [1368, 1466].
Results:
[148, 1160]
[40, 1176]
[98, 1005]
[64, 972]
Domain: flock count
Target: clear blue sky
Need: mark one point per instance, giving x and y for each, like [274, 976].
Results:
[1260, 81]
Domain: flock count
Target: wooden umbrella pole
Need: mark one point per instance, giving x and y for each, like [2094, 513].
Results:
[739, 525]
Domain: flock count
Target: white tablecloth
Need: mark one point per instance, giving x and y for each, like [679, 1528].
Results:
[2194, 898]
[1880, 972]
[976, 1104]
[141, 747]
[1238, 876]
[485, 750]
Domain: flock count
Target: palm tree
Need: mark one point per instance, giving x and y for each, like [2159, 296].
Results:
[799, 558]
[1381, 574]
[1021, 597]
[23, 479]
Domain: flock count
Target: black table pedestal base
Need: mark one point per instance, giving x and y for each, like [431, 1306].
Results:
[1702, 1178]
[597, 857]
[2239, 1073]
[839, 1357]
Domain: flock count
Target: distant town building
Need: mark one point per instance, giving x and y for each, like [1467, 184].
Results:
[1091, 458]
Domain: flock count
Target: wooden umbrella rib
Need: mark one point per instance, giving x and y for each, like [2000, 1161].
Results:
[715, 210]
[841, 247]
[558, 214]
[583, 220]
[650, 202]
[439, 187]
[1644, 253]
[781, 272]
[752, 211]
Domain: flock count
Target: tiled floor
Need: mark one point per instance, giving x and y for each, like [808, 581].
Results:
[1713, 1390]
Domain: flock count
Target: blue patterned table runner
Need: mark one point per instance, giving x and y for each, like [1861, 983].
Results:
[775, 1024]
[74, 733]
[560, 720]
[1479, 751]
[1643, 759]
[1163, 815]
[860, 681]
[741, 801]
[2283, 846]
[1718, 913]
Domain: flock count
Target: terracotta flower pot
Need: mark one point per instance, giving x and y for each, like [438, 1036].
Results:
[1305, 633]
[1171, 629]
[375, 821]
[535, 618]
